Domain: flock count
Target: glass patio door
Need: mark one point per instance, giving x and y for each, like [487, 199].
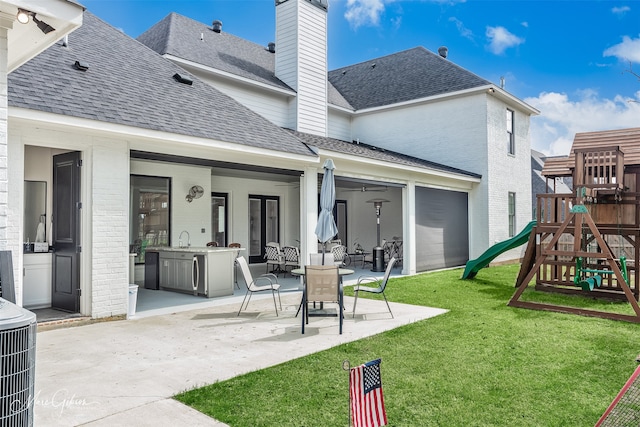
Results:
[219, 218]
[264, 225]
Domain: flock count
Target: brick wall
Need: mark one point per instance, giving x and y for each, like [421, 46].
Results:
[3, 140]
[451, 132]
[109, 212]
[468, 133]
[507, 173]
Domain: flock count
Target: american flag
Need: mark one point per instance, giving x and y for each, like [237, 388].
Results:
[365, 393]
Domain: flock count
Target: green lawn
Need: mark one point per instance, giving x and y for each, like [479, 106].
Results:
[481, 364]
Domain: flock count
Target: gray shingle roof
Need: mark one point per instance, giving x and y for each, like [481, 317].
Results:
[412, 74]
[130, 84]
[180, 36]
[403, 76]
[375, 153]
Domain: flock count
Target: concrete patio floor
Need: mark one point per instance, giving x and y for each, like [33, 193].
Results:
[125, 372]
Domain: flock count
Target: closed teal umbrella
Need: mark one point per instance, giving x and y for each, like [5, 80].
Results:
[326, 227]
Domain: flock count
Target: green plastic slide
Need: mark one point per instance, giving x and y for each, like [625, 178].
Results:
[474, 265]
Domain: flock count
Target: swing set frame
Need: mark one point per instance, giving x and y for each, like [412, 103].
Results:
[578, 216]
[569, 251]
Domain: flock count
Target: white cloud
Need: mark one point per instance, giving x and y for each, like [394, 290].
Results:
[464, 31]
[396, 22]
[620, 10]
[368, 12]
[628, 50]
[364, 12]
[553, 131]
[500, 39]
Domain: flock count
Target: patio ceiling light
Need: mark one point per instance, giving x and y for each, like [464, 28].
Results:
[23, 16]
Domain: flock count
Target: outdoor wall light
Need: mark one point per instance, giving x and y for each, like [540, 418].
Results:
[44, 27]
[23, 16]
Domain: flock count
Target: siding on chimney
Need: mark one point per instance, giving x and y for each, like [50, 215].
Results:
[301, 62]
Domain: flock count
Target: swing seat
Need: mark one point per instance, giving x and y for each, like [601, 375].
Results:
[590, 283]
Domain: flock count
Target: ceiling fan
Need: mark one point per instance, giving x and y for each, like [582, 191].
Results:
[372, 189]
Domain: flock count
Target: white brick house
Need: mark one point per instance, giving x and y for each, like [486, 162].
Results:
[255, 126]
[458, 121]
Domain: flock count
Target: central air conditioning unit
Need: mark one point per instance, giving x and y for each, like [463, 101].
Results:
[17, 364]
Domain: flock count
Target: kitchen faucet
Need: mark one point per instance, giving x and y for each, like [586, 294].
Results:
[188, 239]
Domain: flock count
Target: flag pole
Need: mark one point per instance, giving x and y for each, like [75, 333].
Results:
[346, 366]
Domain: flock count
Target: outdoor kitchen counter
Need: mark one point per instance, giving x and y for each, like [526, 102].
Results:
[207, 271]
[193, 249]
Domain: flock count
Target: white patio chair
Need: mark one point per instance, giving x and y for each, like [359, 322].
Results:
[379, 289]
[316, 259]
[270, 280]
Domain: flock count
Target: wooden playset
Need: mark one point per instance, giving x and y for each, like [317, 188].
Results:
[586, 242]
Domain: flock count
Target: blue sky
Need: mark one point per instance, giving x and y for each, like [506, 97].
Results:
[578, 62]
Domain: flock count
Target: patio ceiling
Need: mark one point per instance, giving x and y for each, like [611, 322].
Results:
[264, 173]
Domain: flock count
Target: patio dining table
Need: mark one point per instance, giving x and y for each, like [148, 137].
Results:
[341, 272]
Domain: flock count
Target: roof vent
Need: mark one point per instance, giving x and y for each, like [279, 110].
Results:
[182, 79]
[271, 47]
[216, 26]
[81, 66]
[443, 51]
[322, 4]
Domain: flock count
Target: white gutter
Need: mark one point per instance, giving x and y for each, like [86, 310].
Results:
[487, 89]
[509, 99]
[397, 166]
[343, 109]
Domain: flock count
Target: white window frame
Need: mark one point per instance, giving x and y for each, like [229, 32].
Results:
[511, 209]
[511, 140]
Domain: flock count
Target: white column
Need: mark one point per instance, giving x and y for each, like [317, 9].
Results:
[409, 228]
[309, 213]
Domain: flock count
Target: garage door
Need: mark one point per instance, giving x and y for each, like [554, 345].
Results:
[442, 229]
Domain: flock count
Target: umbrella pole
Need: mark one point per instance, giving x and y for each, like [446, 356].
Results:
[324, 249]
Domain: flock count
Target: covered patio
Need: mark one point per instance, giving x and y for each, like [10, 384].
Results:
[152, 302]
[158, 302]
